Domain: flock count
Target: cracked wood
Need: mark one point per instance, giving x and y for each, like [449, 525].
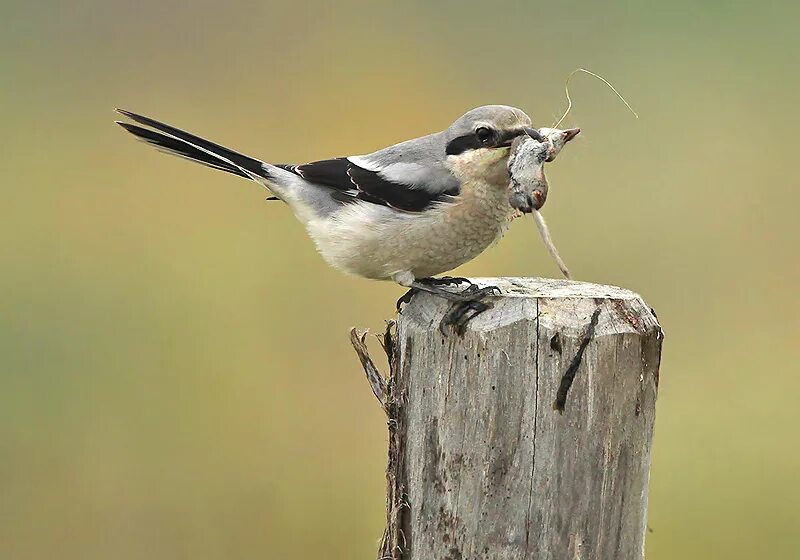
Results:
[481, 464]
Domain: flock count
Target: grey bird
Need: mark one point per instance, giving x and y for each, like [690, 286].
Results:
[404, 213]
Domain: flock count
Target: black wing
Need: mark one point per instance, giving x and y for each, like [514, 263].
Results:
[351, 182]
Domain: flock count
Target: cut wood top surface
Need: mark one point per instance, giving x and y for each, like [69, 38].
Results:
[565, 305]
[511, 286]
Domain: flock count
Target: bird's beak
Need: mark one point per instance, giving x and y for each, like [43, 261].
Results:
[533, 133]
[570, 133]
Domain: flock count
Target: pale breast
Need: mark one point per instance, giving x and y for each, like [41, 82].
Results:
[377, 242]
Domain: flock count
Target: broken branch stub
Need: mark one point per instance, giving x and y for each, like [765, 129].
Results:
[376, 381]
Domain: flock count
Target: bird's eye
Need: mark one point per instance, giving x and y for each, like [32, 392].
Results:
[484, 134]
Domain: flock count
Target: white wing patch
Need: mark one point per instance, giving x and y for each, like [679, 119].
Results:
[412, 175]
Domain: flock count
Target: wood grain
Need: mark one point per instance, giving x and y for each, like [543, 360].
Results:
[488, 460]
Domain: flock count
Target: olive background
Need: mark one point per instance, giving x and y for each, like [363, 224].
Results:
[176, 379]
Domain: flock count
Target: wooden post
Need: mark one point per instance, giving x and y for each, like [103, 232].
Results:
[530, 436]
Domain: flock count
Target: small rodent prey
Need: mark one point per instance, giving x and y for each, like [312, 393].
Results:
[528, 189]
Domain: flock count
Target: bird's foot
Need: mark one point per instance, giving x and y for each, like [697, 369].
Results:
[448, 281]
[442, 281]
[462, 312]
[467, 303]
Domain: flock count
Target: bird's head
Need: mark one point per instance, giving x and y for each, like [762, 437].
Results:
[479, 141]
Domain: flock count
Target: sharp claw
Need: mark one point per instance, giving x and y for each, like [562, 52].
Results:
[477, 293]
[405, 299]
[449, 281]
[460, 323]
[463, 312]
[466, 304]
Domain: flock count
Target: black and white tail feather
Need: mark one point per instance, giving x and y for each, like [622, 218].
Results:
[178, 142]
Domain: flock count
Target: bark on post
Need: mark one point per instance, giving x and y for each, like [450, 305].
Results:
[530, 436]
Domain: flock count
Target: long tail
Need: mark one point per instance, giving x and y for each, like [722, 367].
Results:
[181, 143]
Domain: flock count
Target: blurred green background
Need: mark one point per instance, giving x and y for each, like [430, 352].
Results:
[176, 379]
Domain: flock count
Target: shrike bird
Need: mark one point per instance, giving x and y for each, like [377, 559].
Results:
[404, 213]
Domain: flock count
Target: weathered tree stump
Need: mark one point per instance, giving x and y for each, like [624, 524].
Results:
[530, 436]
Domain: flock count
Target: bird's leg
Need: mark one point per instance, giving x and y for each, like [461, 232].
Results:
[471, 293]
[467, 303]
[442, 281]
